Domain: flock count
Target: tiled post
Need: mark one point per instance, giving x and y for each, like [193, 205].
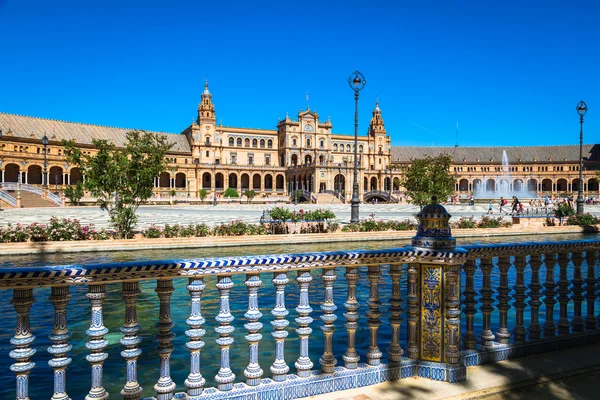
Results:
[486, 337]
[577, 323]
[328, 307]
[279, 368]
[304, 364]
[395, 350]
[195, 381]
[131, 340]
[412, 300]
[564, 327]
[253, 372]
[451, 286]
[374, 354]
[23, 338]
[165, 387]
[519, 330]
[534, 294]
[60, 334]
[503, 334]
[351, 357]
[469, 339]
[549, 295]
[97, 343]
[225, 376]
[590, 289]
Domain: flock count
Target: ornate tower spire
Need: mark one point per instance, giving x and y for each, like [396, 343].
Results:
[376, 127]
[206, 109]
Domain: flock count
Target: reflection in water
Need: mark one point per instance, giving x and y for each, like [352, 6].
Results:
[78, 380]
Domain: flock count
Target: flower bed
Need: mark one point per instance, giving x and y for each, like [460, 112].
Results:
[64, 229]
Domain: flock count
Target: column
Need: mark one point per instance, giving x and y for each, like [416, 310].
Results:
[23, 338]
[328, 307]
[304, 365]
[195, 381]
[224, 377]
[279, 369]
[503, 334]
[412, 300]
[351, 357]
[564, 327]
[59, 298]
[395, 350]
[577, 323]
[469, 339]
[534, 295]
[487, 337]
[2, 175]
[549, 294]
[131, 341]
[519, 331]
[165, 387]
[590, 289]
[374, 354]
[452, 311]
[25, 177]
[97, 343]
[253, 372]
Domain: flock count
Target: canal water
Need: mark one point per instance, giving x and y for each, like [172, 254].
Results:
[78, 374]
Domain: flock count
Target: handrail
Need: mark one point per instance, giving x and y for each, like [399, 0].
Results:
[8, 199]
[32, 189]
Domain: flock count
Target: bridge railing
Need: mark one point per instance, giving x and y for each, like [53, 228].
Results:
[13, 186]
[8, 199]
[424, 341]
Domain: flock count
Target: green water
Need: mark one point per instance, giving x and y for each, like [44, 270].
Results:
[78, 375]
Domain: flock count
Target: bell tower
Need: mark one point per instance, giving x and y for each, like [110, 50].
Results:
[379, 142]
[376, 127]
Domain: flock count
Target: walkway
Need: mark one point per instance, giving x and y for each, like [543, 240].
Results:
[566, 375]
[186, 214]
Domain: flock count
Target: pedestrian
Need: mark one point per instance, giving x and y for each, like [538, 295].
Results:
[501, 203]
[490, 208]
[515, 206]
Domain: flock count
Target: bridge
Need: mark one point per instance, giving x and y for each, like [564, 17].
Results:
[436, 325]
[380, 195]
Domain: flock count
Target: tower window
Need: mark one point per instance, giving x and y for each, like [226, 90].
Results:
[207, 155]
[270, 144]
[239, 142]
[254, 143]
[262, 143]
[246, 142]
[231, 141]
[322, 143]
[307, 142]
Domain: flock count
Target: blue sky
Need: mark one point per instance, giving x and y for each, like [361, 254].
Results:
[510, 72]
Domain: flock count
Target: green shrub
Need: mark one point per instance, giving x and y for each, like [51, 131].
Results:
[152, 232]
[37, 232]
[488, 222]
[202, 230]
[280, 214]
[583, 219]
[74, 193]
[172, 231]
[250, 194]
[333, 226]
[12, 234]
[202, 194]
[351, 227]
[465, 223]
[563, 210]
[102, 234]
[66, 229]
[231, 192]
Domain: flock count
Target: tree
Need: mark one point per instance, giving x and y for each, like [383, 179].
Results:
[427, 177]
[203, 194]
[250, 194]
[121, 178]
[230, 192]
[74, 193]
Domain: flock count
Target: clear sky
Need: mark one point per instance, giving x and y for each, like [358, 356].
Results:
[511, 72]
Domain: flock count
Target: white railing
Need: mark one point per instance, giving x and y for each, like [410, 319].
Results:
[13, 186]
[8, 199]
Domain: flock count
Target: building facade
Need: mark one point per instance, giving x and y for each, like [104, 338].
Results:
[300, 154]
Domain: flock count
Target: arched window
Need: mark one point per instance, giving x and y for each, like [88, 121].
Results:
[342, 148]
[246, 142]
[335, 147]
[262, 143]
[307, 142]
[270, 144]
[231, 141]
[239, 142]
[348, 148]
[322, 143]
[254, 143]
[360, 148]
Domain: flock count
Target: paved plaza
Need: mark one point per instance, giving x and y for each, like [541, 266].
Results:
[222, 213]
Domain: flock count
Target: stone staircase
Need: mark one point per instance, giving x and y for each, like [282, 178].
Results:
[29, 200]
[326, 198]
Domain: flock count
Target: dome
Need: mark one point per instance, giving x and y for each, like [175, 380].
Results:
[434, 230]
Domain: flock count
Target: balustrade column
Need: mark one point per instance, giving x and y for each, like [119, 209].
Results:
[328, 307]
[165, 387]
[452, 313]
[253, 372]
[225, 376]
[412, 300]
[487, 337]
[279, 369]
[549, 295]
[534, 294]
[23, 338]
[519, 330]
[195, 381]
[131, 341]
[374, 354]
[395, 350]
[469, 339]
[577, 323]
[97, 343]
[304, 364]
[590, 289]
[351, 357]
[60, 334]
[503, 334]
[564, 327]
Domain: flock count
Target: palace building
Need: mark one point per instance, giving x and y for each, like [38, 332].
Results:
[300, 154]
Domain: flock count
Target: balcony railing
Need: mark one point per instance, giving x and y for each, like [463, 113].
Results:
[528, 316]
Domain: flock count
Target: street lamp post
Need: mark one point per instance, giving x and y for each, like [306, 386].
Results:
[357, 82]
[45, 175]
[581, 110]
[188, 189]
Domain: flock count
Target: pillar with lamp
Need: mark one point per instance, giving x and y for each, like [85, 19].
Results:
[45, 174]
[357, 82]
[581, 110]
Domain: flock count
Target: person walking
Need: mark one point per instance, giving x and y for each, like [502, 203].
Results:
[490, 208]
[501, 203]
[515, 206]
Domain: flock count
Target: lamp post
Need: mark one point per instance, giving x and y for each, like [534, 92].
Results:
[188, 189]
[45, 175]
[581, 110]
[357, 82]
[215, 184]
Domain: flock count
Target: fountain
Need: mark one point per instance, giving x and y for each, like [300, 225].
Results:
[502, 185]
